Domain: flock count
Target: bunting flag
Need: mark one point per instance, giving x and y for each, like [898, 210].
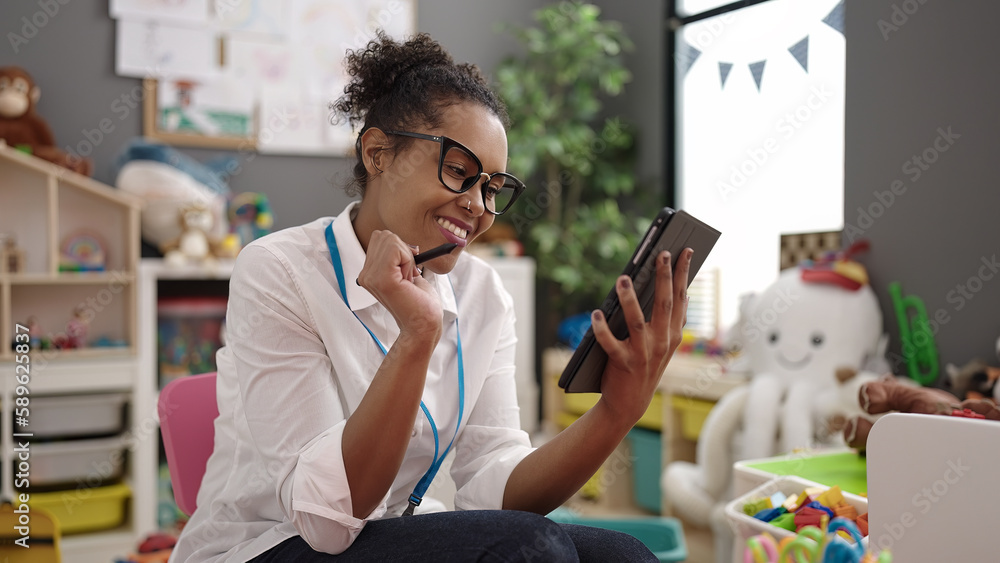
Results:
[757, 70]
[835, 18]
[724, 69]
[687, 54]
[801, 53]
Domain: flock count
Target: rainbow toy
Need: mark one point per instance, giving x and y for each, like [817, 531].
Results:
[82, 251]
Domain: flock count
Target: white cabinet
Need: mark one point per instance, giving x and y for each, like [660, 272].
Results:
[151, 273]
[518, 276]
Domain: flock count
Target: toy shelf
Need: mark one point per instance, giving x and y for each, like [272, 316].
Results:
[49, 213]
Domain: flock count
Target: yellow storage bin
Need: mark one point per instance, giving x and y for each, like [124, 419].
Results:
[652, 419]
[579, 403]
[41, 537]
[693, 413]
[576, 404]
[85, 510]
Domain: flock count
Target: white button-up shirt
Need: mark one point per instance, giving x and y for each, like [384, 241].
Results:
[296, 365]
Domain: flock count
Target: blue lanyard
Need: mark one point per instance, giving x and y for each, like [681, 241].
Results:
[418, 492]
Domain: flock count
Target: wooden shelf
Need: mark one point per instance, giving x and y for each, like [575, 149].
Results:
[67, 278]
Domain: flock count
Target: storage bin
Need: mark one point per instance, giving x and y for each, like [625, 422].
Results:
[745, 526]
[85, 509]
[68, 416]
[73, 462]
[646, 456]
[842, 467]
[579, 403]
[663, 536]
[189, 333]
[693, 413]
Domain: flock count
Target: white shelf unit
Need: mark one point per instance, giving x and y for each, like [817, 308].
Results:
[518, 277]
[44, 205]
[151, 272]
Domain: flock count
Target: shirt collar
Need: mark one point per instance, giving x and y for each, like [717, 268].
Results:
[352, 258]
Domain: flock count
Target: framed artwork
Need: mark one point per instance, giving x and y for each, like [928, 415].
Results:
[172, 115]
[252, 74]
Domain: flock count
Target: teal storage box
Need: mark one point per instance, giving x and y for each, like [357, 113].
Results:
[646, 456]
[663, 536]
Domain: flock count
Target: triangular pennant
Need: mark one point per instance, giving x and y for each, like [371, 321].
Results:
[835, 18]
[757, 70]
[724, 69]
[801, 53]
[686, 56]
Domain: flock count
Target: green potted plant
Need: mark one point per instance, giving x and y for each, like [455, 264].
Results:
[579, 162]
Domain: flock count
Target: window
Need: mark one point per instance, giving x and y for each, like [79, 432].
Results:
[759, 130]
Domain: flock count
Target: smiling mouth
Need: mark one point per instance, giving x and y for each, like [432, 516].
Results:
[792, 364]
[452, 228]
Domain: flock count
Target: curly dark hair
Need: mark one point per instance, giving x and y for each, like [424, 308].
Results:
[397, 85]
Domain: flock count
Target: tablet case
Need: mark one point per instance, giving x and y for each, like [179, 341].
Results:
[670, 230]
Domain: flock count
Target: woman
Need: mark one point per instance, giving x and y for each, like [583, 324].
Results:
[350, 373]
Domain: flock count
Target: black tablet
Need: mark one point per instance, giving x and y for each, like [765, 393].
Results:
[670, 230]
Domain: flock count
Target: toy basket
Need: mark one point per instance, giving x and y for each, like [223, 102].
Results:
[745, 526]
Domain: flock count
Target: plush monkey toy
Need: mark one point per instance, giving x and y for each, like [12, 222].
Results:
[21, 127]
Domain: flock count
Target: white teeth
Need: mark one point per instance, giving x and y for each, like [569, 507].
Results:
[458, 232]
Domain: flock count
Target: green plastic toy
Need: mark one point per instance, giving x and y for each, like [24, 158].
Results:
[919, 348]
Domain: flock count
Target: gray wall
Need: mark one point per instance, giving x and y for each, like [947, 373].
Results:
[72, 57]
[909, 79]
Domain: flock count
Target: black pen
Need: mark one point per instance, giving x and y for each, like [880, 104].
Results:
[434, 253]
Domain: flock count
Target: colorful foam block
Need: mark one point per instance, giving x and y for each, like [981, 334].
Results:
[769, 514]
[862, 523]
[831, 497]
[785, 521]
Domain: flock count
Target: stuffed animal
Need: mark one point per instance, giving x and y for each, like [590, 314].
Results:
[23, 129]
[974, 380]
[168, 181]
[195, 244]
[794, 337]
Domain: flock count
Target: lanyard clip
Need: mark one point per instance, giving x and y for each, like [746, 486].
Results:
[414, 502]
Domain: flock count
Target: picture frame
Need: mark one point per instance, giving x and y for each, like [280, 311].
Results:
[153, 130]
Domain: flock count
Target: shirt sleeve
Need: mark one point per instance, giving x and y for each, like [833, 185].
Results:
[492, 443]
[291, 401]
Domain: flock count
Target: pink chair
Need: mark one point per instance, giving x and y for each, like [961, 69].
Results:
[187, 410]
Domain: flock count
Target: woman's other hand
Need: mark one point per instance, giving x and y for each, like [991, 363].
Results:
[636, 363]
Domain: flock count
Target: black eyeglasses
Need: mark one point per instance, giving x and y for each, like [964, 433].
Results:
[459, 169]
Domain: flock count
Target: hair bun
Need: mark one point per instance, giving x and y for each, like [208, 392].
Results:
[404, 86]
[377, 69]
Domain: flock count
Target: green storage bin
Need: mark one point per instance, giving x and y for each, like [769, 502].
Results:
[646, 456]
